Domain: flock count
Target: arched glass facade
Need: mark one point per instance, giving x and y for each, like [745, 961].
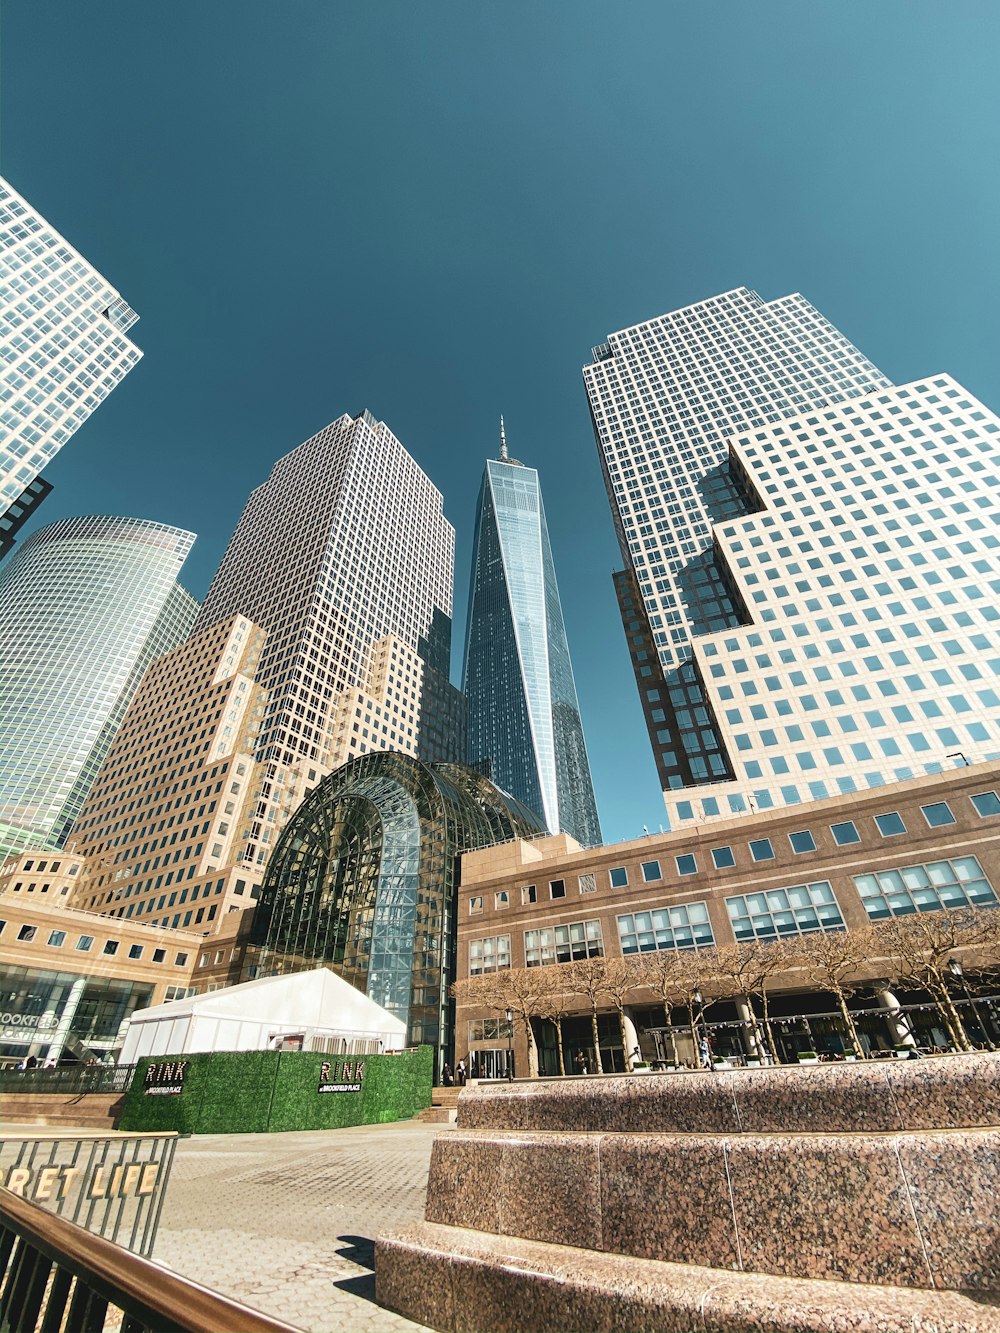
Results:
[364, 880]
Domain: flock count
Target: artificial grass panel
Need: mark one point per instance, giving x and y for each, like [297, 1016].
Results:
[253, 1092]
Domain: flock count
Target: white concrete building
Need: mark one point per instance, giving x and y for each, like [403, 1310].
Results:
[342, 551]
[62, 343]
[684, 408]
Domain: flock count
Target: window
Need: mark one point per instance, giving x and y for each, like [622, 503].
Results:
[57, 939]
[180, 960]
[618, 877]
[501, 899]
[803, 841]
[986, 803]
[938, 815]
[135, 951]
[798, 910]
[890, 825]
[761, 849]
[563, 944]
[110, 946]
[960, 882]
[85, 943]
[844, 834]
[588, 883]
[159, 955]
[723, 858]
[686, 927]
[651, 872]
[487, 1029]
[557, 888]
[529, 894]
[489, 955]
[475, 905]
[26, 933]
[686, 864]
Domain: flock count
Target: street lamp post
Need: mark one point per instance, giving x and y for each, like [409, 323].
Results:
[958, 972]
[510, 1046]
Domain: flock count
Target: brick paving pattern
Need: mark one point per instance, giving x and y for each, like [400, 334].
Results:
[286, 1223]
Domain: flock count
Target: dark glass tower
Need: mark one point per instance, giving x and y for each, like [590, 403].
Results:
[524, 717]
[365, 878]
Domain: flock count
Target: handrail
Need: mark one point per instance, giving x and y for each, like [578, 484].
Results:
[128, 1282]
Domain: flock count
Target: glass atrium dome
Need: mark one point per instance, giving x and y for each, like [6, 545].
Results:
[364, 879]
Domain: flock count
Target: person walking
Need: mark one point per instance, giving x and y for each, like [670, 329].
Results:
[460, 1073]
[581, 1063]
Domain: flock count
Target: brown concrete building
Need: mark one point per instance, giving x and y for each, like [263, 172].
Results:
[841, 863]
[169, 831]
[70, 979]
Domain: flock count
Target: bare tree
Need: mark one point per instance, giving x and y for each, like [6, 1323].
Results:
[518, 989]
[835, 961]
[746, 967]
[588, 977]
[665, 974]
[921, 947]
[554, 1003]
[701, 984]
[622, 977]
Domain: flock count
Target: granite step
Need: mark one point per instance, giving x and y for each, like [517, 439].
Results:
[461, 1281]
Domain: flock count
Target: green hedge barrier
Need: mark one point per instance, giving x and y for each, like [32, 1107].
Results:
[261, 1092]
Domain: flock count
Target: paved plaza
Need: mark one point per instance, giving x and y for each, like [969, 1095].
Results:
[287, 1222]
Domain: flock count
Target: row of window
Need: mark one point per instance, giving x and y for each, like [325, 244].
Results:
[889, 824]
[85, 943]
[799, 909]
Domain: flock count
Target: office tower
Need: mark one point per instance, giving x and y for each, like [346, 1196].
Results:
[165, 830]
[810, 572]
[343, 556]
[524, 717]
[85, 605]
[62, 329]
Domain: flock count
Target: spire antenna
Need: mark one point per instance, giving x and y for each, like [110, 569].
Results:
[503, 442]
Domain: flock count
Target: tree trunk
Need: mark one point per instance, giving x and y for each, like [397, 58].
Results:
[668, 1014]
[767, 1027]
[848, 1018]
[952, 1017]
[559, 1046]
[597, 1041]
[625, 1050]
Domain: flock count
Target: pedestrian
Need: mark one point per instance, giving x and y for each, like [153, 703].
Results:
[705, 1050]
[581, 1063]
[448, 1076]
[460, 1073]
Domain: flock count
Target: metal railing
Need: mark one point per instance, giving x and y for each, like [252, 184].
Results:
[111, 1185]
[56, 1276]
[69, 1079]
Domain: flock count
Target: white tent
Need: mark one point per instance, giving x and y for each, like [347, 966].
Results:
[315, 1010]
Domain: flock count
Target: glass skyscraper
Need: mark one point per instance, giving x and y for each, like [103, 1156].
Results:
[345, 558]
[811, 560]
[86, 604]
[62, 344]
[524, 717]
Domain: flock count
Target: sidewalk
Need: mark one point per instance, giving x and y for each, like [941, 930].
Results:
[286, 1222]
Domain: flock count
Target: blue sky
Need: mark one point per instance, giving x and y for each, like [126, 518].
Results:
[435, 210]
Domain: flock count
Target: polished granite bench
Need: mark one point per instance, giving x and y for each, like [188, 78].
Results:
[825, 1197]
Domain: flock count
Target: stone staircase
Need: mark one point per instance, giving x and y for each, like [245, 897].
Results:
[79, 1110]
[443, 1109]
[798, 1200]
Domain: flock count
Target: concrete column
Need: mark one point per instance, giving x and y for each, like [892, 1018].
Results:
[70, 1006]
[751, 1025]
[897, 1019]
[631, 1039]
